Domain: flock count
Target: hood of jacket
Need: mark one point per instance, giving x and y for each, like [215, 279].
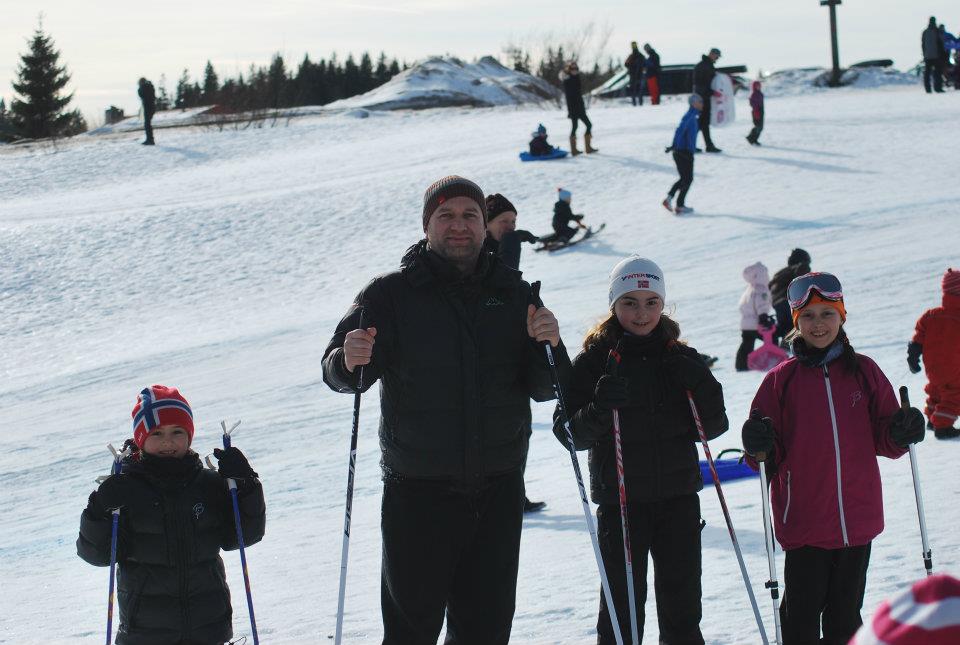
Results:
[757, 275]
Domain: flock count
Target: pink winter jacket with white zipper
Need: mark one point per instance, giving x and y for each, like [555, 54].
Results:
[830, 424]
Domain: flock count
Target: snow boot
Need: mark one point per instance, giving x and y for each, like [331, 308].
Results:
[573, 146]
[683, 210]
[946, 433]
[668, 204]
[533, 507]
[586, 144]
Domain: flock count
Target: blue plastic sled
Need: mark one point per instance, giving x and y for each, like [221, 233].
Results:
[556, 154]
[727, 469]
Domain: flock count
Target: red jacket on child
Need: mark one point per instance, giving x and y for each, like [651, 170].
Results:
[938, 330]
[830, 424]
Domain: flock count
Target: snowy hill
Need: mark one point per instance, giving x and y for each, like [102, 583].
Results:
[220, 262]
[449, 82]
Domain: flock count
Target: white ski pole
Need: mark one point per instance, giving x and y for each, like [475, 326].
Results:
[927, 553]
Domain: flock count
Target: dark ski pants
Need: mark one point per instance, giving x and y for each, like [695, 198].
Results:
[580, 117]
[148, 126]
[932, 68]
[748, 339]
[754, 135]
[684, 161]
[636, 89]
[704, 122]
[823, 585]
[450, 551]
[669, 530]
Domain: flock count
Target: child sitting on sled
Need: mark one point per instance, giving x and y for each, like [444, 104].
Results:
[538, 144]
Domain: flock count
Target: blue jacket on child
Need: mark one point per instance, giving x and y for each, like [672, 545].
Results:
[685, 137]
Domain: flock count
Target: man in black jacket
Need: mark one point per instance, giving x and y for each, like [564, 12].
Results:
[933, 54]
[149, 100]
[703, 75]
[454, 339]
[635, 64]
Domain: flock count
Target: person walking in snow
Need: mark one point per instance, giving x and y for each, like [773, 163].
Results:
[455, 414]
[703, 74]
[937, 340]
[754, 303]
[653, 74]
[683, 148]
[648, 388]
[635, 65]
[149, 100]
[756, 107]
[933, 54]
[798, 263]
[175, 517]
[576, 110]
[819, 421]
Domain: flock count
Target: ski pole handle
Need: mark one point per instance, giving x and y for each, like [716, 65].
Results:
[904, 398]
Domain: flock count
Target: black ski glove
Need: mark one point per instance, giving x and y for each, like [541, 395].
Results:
[611, 392]
[914, 351]
[527, 236]
[689, 372]
[907, 427]
[233, 464]
[758, 435]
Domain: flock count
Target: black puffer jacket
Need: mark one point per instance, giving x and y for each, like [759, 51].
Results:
[456, 367]
[175, 516]
[574, 93]
[657, 430]
[703, 74]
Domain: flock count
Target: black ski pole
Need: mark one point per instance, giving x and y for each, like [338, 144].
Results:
[345, 549]
[588, 516]
[927, 554]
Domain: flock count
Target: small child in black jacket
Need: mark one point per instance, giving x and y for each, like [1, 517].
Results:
[175, 516]
[562, 216]
[647, 386]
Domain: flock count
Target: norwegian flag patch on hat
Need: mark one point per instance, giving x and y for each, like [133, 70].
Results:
[159, 405]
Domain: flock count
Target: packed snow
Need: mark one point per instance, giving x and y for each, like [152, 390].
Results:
[220, 262]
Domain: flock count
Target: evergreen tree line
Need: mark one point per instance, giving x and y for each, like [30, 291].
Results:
[552, 63]
[274, 86]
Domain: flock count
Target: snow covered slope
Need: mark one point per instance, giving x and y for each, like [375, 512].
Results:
[449, 82]
[220, 262]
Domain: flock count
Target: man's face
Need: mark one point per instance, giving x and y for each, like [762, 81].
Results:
[456, 230]
[714, 56]
[504, 223]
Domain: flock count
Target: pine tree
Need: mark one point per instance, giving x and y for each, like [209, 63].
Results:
[183, 90]
[163, 98]
[40, 82]
[6, 127]
[211, 85]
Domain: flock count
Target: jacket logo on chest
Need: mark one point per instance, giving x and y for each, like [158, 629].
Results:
[855, 398]
[198, 510]
[493, 301]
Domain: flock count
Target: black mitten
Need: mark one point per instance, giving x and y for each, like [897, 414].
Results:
[914, 351]
[758, 435]
[611, 392]
[233, 464]
[907, 427]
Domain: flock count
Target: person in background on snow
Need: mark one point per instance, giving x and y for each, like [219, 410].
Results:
[149, 100]
[648, 388]
[937, 340]
[653, 74]
[576, 110]
[928, 613]
[754, 303]
[756, 106]
[797, 264]
[175, 517]
[538, 144]
[455, 415]
[562, 216]
[635, 64]
[703, 74]
[819, 421]
[933, 54]
[684, 145]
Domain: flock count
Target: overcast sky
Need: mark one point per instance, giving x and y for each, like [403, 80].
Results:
[108, 46]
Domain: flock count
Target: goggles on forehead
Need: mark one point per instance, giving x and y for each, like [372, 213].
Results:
[825, 284]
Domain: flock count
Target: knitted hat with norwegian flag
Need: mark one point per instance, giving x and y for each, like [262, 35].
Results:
[926, 614]
[159, 405]
[951, 282]
[635, 273]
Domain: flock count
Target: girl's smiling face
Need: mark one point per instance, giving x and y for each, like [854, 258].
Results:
[819, 325]
[638, 311]
[167, 441]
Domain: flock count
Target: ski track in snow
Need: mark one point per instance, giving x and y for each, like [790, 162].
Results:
[220, 262]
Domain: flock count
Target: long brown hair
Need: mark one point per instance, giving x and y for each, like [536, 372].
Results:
[607, 332]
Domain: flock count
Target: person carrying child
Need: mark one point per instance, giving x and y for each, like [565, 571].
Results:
[756, 107]
[175, 517]
[819, 421]
[648, 386]
[937, 340]
[754, 303]
[538, 144]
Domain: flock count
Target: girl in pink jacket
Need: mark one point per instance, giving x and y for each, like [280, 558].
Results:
[819, 421]
[754, 302]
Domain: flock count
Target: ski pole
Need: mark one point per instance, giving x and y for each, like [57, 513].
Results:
[115, 522]
[726, 516]
[772, 584]
[927, 554]
[345, 549]
[588, 517]
[614, 362]
[232, 484]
